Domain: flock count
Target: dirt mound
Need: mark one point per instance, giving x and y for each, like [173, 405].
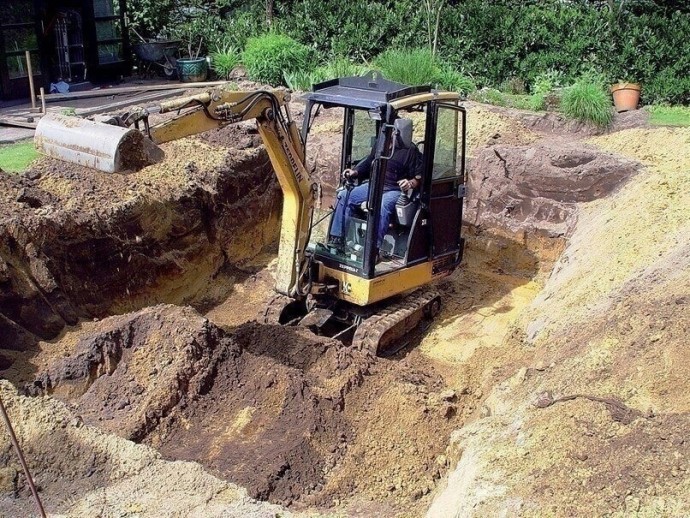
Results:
[537, 188]
[259, 405]
[589, 412]
[294, 418]
[487, 126]
[83, 472]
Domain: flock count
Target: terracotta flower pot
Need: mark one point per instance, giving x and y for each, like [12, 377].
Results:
[625, 96]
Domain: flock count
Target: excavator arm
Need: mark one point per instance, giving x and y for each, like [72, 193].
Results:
[121, 148]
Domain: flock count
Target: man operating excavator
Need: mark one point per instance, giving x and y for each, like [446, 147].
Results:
[404, 171]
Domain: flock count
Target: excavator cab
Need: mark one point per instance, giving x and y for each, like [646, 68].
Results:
[423, 239]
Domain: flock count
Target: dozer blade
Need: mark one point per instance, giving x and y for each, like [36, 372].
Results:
[100, 146]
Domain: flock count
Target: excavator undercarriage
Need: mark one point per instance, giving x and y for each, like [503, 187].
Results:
[379, 329]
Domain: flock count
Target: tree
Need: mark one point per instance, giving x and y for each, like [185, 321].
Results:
[269, 12]
[433, 20]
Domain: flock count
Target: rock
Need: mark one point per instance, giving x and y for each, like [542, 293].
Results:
[448, 395]
[543, 400]
[448, 410]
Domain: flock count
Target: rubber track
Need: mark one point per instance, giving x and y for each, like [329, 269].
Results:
[378, 332]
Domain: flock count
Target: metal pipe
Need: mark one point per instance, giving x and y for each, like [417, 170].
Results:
[25, 467]
[43, 100]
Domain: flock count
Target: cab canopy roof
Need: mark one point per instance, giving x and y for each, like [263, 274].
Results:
[366, 92]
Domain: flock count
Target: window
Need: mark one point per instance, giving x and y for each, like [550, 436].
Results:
[18, 33]
[446, 149]
[108, 31]
[363, 136]
[16, 12]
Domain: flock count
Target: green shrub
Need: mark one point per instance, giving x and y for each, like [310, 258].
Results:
[536, 102]
[224, 60]
[667, 87]
[546, 82]
[340, 67]
[300, 80]
[519, 101]
[360, 29]
[543, 88]
[454, 81]
[411, 67]
[489, 96]
[245, 22]
[269, 57]
[587, 101]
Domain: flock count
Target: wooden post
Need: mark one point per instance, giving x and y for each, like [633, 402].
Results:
[30, 71]
[43, 100]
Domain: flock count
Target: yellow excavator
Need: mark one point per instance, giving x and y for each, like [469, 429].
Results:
[339, 291]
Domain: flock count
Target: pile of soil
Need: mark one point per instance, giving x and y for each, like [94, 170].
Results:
[260, 405]
[81, 471]
[287, 415]
[538, 188]
[589, 411]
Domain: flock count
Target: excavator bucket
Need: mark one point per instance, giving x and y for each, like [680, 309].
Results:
[97, 145]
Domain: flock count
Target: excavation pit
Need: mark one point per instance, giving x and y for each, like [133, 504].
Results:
[296, 419]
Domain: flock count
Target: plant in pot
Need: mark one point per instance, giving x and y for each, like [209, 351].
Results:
[192, 67]
[626, 95]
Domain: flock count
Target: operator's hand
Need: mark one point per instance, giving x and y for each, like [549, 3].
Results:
[406, 185]
[350, 174]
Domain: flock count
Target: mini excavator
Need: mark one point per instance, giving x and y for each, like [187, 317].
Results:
[343, 292]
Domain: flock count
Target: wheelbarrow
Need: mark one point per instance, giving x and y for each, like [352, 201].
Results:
[158, 54]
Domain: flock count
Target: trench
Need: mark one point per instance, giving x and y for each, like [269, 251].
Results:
[296, 419]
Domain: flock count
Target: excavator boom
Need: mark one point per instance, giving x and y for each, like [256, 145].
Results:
[117, 147]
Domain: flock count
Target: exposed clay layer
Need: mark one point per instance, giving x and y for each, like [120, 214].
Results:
[537, 188]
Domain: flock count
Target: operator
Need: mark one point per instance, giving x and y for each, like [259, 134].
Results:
[403, 172]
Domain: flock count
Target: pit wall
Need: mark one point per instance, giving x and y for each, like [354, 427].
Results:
[58, 267]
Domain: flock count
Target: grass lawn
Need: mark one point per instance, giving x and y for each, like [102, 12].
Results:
[669, 115]
[15, 158]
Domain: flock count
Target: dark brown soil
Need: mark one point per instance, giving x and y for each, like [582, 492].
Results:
[260, 405]
[285, 414]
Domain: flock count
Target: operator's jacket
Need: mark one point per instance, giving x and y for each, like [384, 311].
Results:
[406, 163]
